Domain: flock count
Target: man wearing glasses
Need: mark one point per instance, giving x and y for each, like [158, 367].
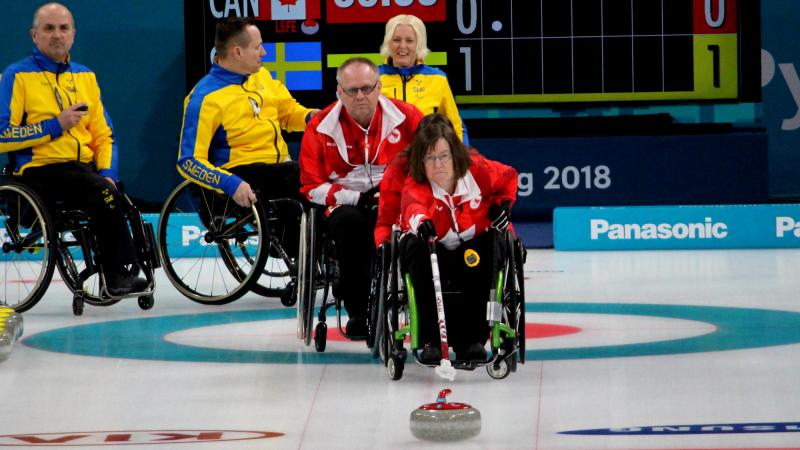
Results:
[231, 138]
[62, 142]
[344, 153]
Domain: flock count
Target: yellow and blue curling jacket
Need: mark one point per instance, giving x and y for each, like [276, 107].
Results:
[232, 119]
[33, 92]
[426, 88]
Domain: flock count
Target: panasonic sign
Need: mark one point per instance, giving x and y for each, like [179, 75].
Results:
[677, 227]
[708, 229]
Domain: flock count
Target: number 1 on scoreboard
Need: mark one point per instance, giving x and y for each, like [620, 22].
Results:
[716, 66]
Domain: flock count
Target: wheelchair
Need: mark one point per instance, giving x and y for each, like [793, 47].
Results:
[36, 239]
[215, 251]
[392, 313]
[317, 273]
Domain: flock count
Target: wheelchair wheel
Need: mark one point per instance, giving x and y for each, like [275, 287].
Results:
[74, 257]
[514, 302]
[395, 316]
[394, 367]
[212, 250]
[276, 280]
[320, 336]
[77, 305]
[76, 254]
[26, 261]
[519, 262]
[498, 369]
[377, 297]
[307, 274]
[146, 302]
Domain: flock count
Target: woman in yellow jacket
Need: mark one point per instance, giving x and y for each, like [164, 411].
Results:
[405, 76]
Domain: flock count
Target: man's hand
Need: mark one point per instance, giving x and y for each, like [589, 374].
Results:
[426, 230]
[244, 195]
[368, 201]
[72, 115]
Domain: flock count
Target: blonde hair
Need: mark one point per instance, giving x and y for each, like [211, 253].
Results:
[419, 29]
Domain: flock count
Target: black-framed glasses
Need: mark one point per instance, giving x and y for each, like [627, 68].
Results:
[366, 90]
[444, 157]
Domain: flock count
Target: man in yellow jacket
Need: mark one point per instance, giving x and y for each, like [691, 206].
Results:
[60, 139]
[231, 138]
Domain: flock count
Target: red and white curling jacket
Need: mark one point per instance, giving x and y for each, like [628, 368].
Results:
[465, 214]
[339, 159]
[389, 202]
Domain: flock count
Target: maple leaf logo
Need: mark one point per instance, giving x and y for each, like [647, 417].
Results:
[288, 3]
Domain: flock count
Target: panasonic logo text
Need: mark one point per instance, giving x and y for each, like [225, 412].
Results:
[708, 229]
[786, 224]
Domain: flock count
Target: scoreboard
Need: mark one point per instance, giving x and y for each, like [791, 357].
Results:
[594, 50]
[512, 52]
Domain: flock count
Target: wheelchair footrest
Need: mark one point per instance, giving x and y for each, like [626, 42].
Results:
[467, 365]
[458, 364]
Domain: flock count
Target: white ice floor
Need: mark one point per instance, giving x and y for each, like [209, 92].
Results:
[653, 350]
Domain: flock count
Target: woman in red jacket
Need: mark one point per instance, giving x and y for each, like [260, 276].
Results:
[457, 198]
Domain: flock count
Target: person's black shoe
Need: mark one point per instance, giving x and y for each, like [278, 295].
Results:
[123, 283]
[356, 328]
[431, 355]
[474, 353]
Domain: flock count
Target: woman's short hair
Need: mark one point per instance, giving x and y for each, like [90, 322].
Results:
[432, 128]
[419, 29]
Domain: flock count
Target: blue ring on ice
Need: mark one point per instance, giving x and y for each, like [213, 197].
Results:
[143, 338]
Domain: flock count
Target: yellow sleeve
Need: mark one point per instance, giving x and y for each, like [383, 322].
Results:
[14, 136]
[448, 107]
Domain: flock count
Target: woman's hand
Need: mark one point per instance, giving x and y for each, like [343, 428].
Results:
[500, 215]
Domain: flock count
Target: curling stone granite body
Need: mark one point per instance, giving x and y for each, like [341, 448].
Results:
[10, 330]
[445, 421]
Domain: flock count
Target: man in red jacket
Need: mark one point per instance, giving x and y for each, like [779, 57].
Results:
[345, 150]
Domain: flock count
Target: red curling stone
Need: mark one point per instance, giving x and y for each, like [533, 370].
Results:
[445, 421]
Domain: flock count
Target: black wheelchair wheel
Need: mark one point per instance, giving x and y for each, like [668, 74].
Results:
[307, 276]
[395, 306]
[519, 261]
[26, 234]
[146, 302]
[514, 301]
[74, 257]
[320, 336]
[276, 279]
[394, 367]
[377, 296]
[77, 305]
[212, 250]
